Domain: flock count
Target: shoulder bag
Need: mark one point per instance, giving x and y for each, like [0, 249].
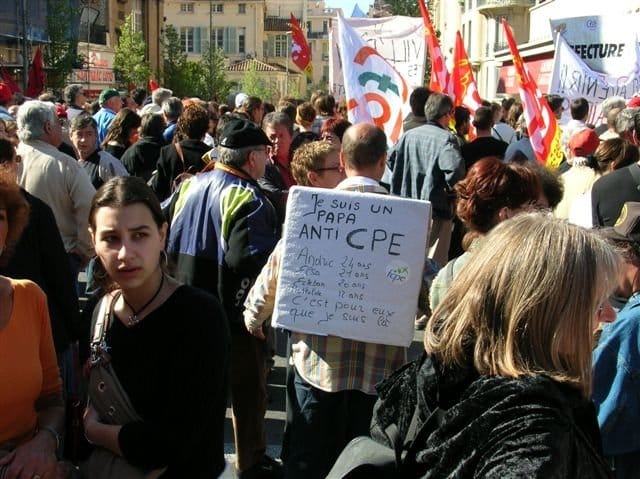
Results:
[110, 401]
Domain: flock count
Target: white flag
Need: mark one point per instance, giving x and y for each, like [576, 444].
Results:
[572, 78]
[376, 93]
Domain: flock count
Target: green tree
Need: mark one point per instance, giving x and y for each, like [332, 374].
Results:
[408, 8]
[175, 62]
[129, 61]
[253, 85]
[213, 63]
[59, 54]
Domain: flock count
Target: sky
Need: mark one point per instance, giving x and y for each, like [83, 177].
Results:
[347, 5]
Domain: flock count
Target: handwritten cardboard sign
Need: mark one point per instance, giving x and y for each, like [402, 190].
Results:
[352, 265]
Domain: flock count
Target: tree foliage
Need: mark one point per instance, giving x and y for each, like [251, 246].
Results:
[408, 8]
[175, 62]
[60, 52]
[130, 61]
[216, 85]
[253, 85]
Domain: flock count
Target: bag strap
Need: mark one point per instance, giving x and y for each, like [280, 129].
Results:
[635, 173]
[101, 319]
[496, 132]
[180, 155]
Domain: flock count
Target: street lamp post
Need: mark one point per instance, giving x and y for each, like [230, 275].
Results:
[211, 51]
[25, 54]
[286, 84]
[89, 15]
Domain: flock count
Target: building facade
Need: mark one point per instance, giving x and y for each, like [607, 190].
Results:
[256, 30]
[479, 22]
[99, 30]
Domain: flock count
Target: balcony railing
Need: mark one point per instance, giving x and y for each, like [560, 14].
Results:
[98, 34]
[489, 4]
[316, 35]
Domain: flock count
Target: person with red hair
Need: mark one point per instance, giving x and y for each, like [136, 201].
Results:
[492, 192]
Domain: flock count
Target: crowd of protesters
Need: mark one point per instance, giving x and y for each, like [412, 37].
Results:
[174, 208]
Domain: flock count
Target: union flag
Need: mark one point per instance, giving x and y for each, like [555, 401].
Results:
[439, 81]
[300, 51]
[463, 84]
[35, 83]
[544, 132]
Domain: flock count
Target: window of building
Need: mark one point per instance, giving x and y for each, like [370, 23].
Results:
[242, 33]
[325, 26]
[187, 35]
[218, 37]
[500, 38]
[280, 46]
[242, 8]
[325, 51]
[186, 7]
[217, 8]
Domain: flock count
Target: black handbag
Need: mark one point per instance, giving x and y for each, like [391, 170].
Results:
[364, 458]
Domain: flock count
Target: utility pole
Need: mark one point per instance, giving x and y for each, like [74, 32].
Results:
[25, 52]
[210, 52]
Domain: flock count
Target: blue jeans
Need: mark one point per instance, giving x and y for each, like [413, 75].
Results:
[321, 425]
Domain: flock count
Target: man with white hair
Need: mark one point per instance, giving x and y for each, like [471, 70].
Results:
[55, 178]
[74, 96]
[158, 97]
[171, 111]
[614, 103]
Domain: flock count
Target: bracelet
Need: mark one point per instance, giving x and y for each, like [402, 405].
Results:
[54, 433]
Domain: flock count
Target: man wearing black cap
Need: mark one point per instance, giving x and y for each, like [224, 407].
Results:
[221, 238]
[616, 359]
[110, 104]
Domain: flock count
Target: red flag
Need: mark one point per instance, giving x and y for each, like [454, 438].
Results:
[7, 79]
[35, 84]
[300, 51]
[463, 85]
[153, 86]
[439, 81]
[544, 132]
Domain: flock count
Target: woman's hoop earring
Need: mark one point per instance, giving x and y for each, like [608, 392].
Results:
[164, 259]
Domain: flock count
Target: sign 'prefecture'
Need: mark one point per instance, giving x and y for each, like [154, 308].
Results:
[352, 265]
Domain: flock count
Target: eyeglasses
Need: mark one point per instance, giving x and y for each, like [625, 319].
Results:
[339, 169]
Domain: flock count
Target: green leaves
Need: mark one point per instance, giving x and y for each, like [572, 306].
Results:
[130, 56]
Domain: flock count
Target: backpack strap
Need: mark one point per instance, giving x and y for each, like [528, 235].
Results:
[180, 155]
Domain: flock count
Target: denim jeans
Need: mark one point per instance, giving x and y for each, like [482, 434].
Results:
[322, 424]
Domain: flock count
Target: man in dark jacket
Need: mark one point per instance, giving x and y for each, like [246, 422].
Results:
[184, 156]
[140, 158]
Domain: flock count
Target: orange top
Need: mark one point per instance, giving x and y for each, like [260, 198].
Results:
[28, 365]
